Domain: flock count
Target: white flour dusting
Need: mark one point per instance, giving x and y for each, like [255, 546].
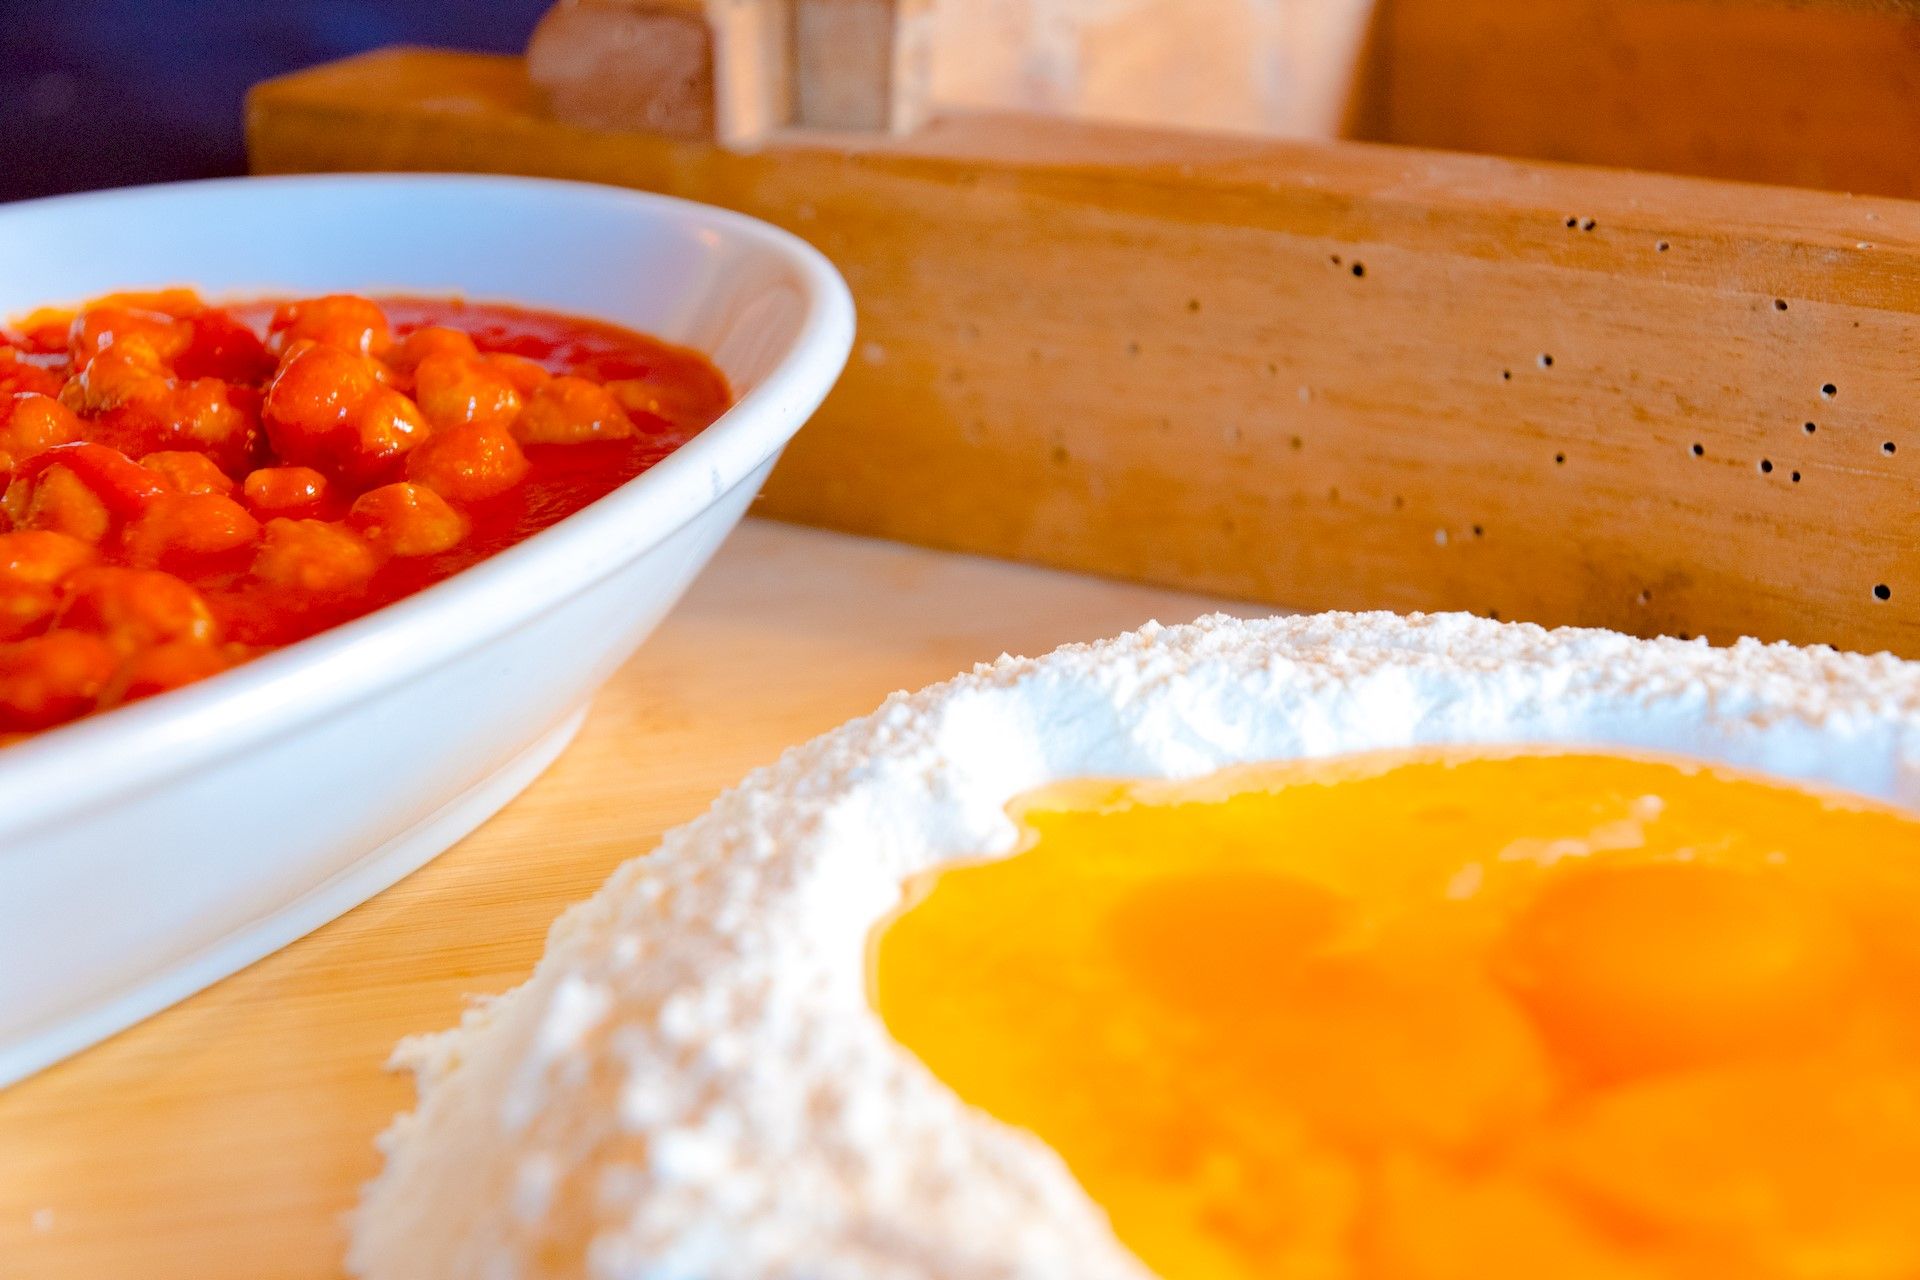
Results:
[692, 1085]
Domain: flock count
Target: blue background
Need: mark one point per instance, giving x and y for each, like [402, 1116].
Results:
[102, 93]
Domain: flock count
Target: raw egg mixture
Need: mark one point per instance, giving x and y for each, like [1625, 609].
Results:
[1447, 1014]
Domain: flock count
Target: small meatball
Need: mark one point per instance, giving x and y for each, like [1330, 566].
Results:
[189, 472]
[80, 488]
[42, 557]
[31, 423]
[388, 376]
[134, 608]
[18, 376]
[468, 464]
[314, 557]
[50, 679]
[407, 520]
[59, 501]
[685, 401]
[221, 347]
[26, 608]
[343, 321]
[384, 427]
[432, 341]
[527, 376]
[182, 532]
[453, 391]
[128, 373]
[210, 415]
[298, 493]
[310, 400]
[98, 328]
[164, 668]
[571, 411]
[32, 564]
[46, 337]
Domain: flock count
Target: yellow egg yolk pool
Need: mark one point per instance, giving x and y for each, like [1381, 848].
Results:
[1471, 1014]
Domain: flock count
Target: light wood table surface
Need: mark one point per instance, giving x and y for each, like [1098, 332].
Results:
[226, 1137]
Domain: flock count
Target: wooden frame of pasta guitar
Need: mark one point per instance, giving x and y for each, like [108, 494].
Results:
[1320, 373]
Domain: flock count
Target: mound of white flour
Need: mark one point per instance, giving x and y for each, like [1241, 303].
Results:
[692, 1085]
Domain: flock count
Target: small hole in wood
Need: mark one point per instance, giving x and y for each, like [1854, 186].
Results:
[1766, 466]
[1661, 246]
[1479, 531]
[1572, 223]
[1546, 361]
[1587, 224]
[1506, 375]
[1808, 427]
[1645, 597]
[1779, 304]
[1795, 477]
[1335, 259]
[1887, 447]
[1698, 450]
[1828, 391]
[1559, 459]
[1359, 269]
[1493, 614]
[1881, 591]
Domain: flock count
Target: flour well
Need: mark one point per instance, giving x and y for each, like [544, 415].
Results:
[692, 1085]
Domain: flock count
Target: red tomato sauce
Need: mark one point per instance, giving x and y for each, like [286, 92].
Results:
[184, 487]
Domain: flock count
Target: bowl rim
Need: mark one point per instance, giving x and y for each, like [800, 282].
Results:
[135, 748]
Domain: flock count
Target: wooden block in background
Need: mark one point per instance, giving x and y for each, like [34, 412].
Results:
[863, 64]
[1328, 375]
[733, 69]
[1817, 93]
[1278, 67]
[715, 69]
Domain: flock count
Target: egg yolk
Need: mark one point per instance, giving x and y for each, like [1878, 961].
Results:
[1447, 1014]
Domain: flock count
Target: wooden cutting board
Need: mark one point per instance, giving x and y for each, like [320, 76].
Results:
[227, 1136]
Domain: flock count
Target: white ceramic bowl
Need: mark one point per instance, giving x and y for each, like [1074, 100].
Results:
[150, 851]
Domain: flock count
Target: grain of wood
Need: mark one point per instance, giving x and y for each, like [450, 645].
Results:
[719, 69]
[1337, 375]
[223, 1139]
[1817, 93]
